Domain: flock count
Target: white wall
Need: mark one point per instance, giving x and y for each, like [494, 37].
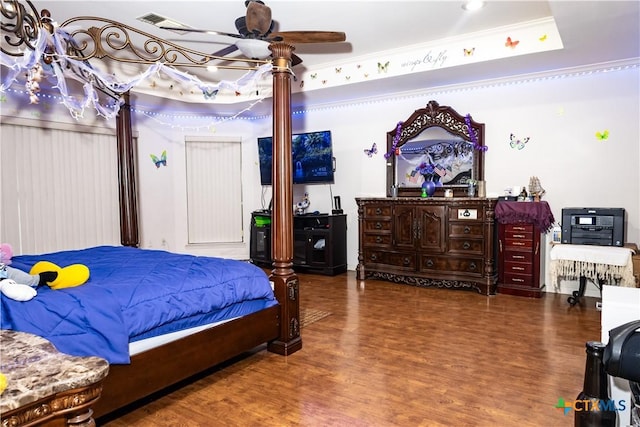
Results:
[560, 115]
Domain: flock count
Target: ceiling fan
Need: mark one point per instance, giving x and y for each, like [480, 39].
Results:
[255, 33]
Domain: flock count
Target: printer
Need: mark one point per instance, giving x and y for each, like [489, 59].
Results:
[593, 226]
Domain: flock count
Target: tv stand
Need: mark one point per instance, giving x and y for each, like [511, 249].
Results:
[319, 242]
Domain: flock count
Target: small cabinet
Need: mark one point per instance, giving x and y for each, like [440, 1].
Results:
[319, 242]
[521, 226]
[519, 260]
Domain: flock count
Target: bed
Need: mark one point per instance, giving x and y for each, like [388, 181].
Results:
[275, 324]
[135, 299]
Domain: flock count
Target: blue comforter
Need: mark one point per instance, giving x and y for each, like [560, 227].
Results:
[131, 292]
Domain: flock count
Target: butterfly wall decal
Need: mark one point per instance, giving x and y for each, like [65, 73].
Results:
[372, 151]
[469, 52]
[382, 68]
[511, 43]
[543, 38]
[162, 161]
[517, 143]
[210, 94]
[602, 136]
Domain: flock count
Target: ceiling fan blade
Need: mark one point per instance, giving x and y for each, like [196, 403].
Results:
[195, 30]
[309, 36]
[258, 18]
[226, 51]
[241, 26]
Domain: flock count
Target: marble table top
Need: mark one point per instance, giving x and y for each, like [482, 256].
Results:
[35, 369]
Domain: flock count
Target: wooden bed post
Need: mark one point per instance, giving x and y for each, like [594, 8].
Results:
[283, 277]
[126, 177]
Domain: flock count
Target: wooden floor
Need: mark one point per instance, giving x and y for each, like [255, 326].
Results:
[398, 355]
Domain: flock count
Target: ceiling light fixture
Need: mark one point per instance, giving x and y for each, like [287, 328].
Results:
[254, 48]
[473, 5]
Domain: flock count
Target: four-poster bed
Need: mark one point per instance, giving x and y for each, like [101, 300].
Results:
[278, 325]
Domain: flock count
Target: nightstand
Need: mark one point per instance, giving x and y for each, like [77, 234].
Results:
[46, 387]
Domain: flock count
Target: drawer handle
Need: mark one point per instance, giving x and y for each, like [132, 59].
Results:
[429, 263]
[378, 226]
[373, 257]
[406, 261]
[466, 245]
[518, 243]
[519, 236]
[517, 268]
[378, 239]
[517, 257]
[519, 228]
[467, 230]
[473, 266]
[378, 211]
[517, 280]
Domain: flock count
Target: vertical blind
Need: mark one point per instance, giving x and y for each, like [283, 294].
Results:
[214, 189]
[59, 188]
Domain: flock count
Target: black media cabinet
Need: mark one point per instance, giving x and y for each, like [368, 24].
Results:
[319, 242]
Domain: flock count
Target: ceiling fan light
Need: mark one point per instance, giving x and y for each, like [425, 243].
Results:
[254, 48]
[472, 5]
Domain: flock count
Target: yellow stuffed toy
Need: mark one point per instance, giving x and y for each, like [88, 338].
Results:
[68, 277]
[3, 382]
[21, 286]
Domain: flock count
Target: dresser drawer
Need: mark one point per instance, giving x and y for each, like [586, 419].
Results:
[452, 265]
[377, 258]
[518, 228]
[518, 256]
[518, 268]
[466, 246]
[518, 244]
[519, 279]
[461, 229]
[376, 225]
[377, 211]
[371, 239]
[467, 213]
[518, 235]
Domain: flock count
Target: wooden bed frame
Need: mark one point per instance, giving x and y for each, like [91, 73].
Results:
[278, 326]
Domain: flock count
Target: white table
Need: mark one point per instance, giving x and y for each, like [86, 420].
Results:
[600, 264]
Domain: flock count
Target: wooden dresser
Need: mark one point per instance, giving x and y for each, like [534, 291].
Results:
[441, 242]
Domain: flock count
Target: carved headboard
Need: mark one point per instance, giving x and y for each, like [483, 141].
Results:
[437, 135]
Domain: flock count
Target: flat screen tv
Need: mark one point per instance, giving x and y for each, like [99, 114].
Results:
[312, 158]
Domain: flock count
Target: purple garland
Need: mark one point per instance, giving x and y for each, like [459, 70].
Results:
[396, 140]
[472, 135]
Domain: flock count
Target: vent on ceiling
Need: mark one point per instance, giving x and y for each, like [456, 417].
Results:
[161, 21]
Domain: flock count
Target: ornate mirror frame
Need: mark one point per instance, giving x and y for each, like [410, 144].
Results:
[448, 119]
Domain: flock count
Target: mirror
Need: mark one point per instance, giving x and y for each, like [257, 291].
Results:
[435, 143]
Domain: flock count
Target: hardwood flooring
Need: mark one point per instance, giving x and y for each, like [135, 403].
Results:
[397, 355]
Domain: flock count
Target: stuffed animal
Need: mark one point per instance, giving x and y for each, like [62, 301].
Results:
[42, 273]
[6, 253]
[3, 382]
[16, 291]
[68, 277]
